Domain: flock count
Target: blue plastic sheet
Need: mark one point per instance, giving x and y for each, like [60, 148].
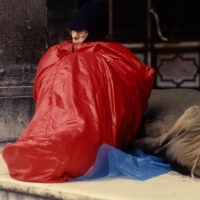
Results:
[111, 162]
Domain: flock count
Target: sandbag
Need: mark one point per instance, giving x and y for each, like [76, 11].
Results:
[86, 95]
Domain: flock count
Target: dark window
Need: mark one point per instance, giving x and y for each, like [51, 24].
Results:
[179, 19]
[129, 21]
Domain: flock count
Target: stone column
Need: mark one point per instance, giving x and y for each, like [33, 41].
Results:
[22, 44]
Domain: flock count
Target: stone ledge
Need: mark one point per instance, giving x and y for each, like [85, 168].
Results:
[168, 186]
[16, 91]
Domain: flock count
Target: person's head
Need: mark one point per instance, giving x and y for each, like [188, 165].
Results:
[90, 23]
[78, 36]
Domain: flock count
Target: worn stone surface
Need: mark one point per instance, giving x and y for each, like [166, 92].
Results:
[15, 114]
[23, 40]
[22, 44]
[10, 195]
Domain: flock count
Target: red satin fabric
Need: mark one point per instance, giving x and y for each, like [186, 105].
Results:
[85, 98]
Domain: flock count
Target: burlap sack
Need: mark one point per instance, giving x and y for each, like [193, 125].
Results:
[169, 132]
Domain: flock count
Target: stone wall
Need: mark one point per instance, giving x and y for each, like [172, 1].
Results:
[22, 44]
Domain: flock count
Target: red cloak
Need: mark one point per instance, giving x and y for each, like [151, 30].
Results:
[86, 95]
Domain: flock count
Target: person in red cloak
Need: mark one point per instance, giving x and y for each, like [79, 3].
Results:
[89, 91]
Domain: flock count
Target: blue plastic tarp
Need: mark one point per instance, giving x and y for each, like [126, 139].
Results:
[111, 162]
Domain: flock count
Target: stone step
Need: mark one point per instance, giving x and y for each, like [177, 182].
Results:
[171, 186]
